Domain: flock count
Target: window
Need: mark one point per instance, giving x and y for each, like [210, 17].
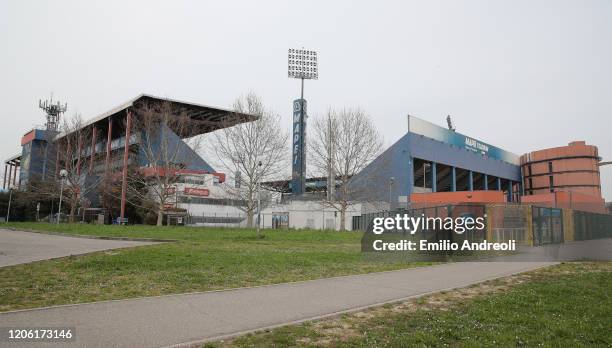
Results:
[550, 183]
[550, 169]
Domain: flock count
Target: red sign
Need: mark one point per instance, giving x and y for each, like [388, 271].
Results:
[196, 192]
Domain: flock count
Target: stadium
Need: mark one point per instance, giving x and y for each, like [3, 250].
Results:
[103, 149]
[429, 165]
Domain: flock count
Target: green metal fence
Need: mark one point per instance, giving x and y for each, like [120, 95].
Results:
[509, 222]
[592, 225]
[363, 222]
[547, 226]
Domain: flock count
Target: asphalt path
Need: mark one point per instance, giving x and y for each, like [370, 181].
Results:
[17, 247]
[193, 318]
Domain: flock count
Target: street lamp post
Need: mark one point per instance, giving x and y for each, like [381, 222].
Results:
[258, 197]
[8, 211]
[63, 175]
[391, 181]
[189, 209]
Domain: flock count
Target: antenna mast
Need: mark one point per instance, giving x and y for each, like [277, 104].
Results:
[450, 123]
[53, 111]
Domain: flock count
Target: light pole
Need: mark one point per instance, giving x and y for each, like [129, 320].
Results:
[63, 175]
[189, 209]
[303, 65]
[8, 211]
[391, 181]
[258, 196]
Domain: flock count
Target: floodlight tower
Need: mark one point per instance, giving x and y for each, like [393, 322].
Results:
[303, 65]
[54, 112]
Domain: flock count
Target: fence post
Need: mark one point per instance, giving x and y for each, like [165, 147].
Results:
[489, 222]
[568, 225]
[529, 224]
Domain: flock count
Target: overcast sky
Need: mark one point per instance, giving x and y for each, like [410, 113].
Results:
[521, 75]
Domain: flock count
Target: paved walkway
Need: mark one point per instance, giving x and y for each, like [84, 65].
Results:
[18, 247]
[169, 320]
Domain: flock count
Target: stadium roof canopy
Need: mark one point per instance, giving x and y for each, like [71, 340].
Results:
[206, 118]
[16, 159]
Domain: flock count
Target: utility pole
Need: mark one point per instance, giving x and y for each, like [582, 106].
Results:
[331, 176]
[391, 181]
[258, 198]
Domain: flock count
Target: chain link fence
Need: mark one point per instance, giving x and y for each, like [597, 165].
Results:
[525, 224]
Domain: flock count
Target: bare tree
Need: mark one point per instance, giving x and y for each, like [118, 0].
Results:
[254, 151]
[73, 140]
[343, 143]
[167, 143]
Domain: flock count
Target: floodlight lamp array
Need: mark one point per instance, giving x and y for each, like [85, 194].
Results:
[303, 64]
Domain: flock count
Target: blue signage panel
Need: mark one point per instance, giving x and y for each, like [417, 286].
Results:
[298, 175]
[430, 130]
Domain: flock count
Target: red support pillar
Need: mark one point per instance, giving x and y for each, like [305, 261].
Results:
[57, 157]
[8, 186]
[93, 149]
[15, 175]
[80, 149]
[126, 154]
[68, 161]
[4, 182]
[109, 136]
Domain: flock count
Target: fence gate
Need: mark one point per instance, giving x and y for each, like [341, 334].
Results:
[547, 226]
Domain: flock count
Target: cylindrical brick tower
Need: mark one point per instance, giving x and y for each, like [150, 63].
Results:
[572, 168]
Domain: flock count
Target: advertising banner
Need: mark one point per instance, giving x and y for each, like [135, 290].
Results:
[299, 146]
[200, 192]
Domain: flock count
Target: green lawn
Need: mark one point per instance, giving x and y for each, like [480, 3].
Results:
[568, 305]
[202, 259]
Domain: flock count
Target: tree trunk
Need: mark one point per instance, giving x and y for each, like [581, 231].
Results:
[160, 218]
[343, 219]
[71, 216]
[250, 218]
[73, 203]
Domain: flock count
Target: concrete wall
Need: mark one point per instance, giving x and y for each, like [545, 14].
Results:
[311, 214]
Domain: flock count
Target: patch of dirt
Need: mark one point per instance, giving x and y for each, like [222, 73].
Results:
[333, 330]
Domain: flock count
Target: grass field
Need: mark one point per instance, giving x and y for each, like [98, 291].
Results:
[568, 305]
[202, 259]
